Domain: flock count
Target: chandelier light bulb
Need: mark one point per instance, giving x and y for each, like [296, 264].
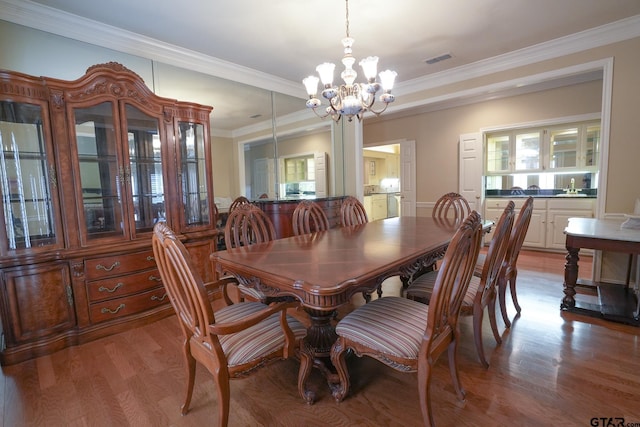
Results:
[370, 67]
[387, 77]
[325, 70]
[311, 84]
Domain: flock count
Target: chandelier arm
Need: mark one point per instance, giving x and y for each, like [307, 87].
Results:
[370, 102]
[377, 113]
[322, 116]
[336, 103]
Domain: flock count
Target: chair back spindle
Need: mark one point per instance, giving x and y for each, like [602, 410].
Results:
[309, 217]
[352, 212]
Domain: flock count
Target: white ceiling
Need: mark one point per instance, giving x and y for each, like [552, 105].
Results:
[282, 41]
[288, 38]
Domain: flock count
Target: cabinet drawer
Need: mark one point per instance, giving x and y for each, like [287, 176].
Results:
[109, 266]
[120, 307]
[518, 201]
[124, 285]
[572, 204]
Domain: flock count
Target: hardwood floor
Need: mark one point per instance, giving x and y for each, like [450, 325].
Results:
[553, 368]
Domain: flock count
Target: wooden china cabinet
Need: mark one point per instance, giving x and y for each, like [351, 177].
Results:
[87, 168]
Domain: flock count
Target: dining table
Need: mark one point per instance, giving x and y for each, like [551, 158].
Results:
[324, 270]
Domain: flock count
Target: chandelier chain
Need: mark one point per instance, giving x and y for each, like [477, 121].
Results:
[347, 16]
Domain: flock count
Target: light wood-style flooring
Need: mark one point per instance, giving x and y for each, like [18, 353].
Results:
[553, 368]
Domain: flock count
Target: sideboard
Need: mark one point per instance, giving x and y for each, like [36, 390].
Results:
[281, 212]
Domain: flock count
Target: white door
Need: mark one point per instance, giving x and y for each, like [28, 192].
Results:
[470, 181]
[321, 175]
[263, 178]
[407, 178]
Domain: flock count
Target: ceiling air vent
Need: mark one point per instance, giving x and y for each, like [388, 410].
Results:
[438, 58]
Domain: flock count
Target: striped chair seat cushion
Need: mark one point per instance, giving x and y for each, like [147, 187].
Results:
[391, 325]
[422, 288]
[258, 340]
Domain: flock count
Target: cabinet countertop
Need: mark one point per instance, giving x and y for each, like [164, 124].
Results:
[541, 196]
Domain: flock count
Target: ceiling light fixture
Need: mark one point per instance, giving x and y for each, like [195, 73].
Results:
[350, 99]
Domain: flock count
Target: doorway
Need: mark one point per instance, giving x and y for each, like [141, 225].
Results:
[390, 170]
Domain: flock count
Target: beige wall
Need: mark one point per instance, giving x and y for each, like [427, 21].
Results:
[225, 171]
[436, 133]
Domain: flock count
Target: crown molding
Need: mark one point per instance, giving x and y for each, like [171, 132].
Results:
[48, 19]
[614, 32]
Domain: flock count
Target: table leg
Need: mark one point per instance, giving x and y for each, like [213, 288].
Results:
[636, 288]
[315, 351]
[570, 278]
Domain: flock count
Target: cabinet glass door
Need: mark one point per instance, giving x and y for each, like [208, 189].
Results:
[563, 145]
[101, 176]
[26, 177]
[498, 152]
[592, 145]
[195, 194]
[528, 151]
[145, 164]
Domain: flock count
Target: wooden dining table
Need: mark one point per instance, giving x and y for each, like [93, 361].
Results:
[323, 270]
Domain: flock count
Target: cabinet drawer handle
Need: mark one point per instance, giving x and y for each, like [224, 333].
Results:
[115, 288]
[155, 278]
[102, 267]
[150, 258]
[105, 310]
[157, 298]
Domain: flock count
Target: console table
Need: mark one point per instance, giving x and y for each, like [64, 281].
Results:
[615, 302]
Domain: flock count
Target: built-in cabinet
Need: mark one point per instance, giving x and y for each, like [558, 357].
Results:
[548, 219]
[551, 157]
[552, 148]
[88, 167]
[375, 206]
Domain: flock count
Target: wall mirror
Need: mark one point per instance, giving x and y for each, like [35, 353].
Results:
[268, 129]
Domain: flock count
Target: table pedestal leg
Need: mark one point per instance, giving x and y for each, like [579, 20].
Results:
[315, 351]
[570, 278]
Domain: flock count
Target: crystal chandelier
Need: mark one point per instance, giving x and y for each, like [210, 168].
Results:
[350, 99]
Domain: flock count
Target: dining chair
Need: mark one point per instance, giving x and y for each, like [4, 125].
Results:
[238, 201]
[309, 217]
[248, 224]
[483, 288]
[509, 272]
[451, 206]
[410, 336]
[231, 342]
[516, 191]
[352, 212]
[449, 211]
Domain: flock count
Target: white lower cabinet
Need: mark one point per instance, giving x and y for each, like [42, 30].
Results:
[548, 219]
[376, 206]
